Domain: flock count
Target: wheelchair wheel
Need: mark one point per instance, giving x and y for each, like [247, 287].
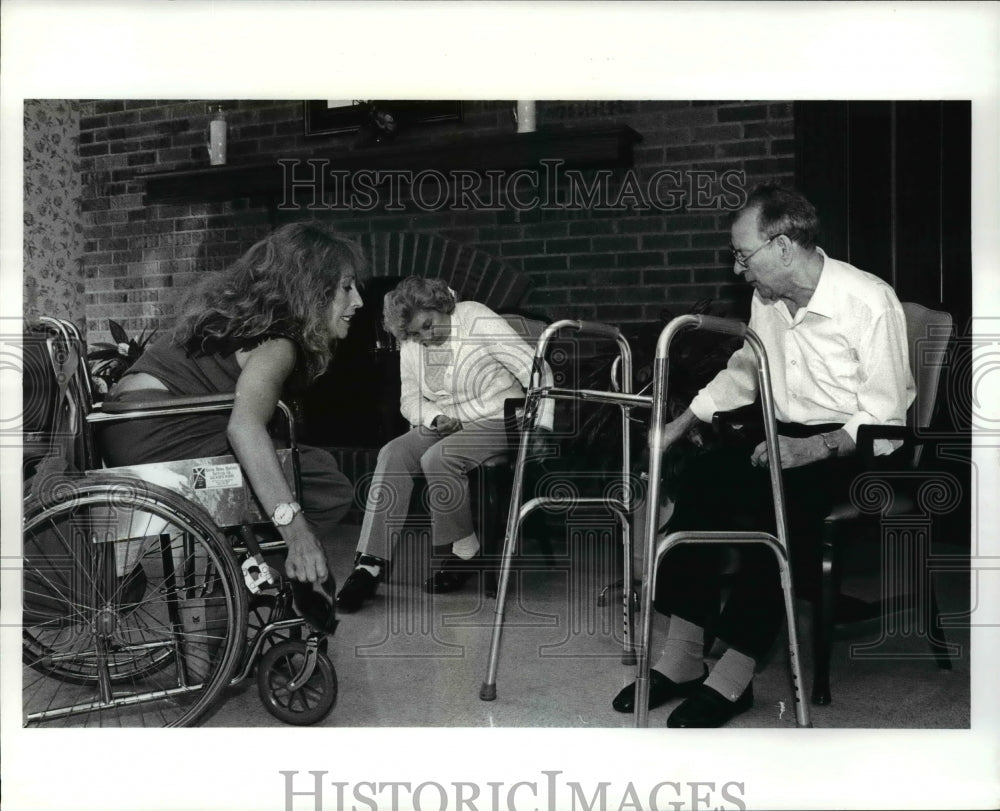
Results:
[265, 609]
[134, 611]
[309, 702]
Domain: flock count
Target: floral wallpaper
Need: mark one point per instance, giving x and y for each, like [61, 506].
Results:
[53, 222]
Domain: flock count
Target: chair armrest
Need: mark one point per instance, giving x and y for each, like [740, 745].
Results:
[740, 426]
[913, 441]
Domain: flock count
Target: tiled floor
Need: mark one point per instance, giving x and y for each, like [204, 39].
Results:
[411, 660]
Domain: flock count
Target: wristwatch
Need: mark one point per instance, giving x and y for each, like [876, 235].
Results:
[830, 445]
[284, 513]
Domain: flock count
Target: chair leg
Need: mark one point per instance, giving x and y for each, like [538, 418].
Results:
[823, 619]
[938, 646]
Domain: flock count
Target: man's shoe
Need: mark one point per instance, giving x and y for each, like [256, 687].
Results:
[707, 709]
[452, 575]
[661, 690]
[359, 586]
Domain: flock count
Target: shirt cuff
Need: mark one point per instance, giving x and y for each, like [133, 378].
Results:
[429, 419]
[703, 406]
[546, 414]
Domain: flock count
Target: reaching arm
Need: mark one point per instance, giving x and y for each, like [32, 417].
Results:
[264, 372]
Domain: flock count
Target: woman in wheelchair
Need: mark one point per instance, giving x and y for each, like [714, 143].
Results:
[459, 361]
[261, 329]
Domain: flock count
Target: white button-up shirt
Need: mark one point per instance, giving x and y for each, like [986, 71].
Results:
[842, 358]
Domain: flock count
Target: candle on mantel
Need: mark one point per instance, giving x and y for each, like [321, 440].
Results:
[217, 138]
[525, 113]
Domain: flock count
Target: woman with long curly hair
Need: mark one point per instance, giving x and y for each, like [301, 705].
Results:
[261, 329]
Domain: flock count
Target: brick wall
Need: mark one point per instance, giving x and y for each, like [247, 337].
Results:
[623, 264]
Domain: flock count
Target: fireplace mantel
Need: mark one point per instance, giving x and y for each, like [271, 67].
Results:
[576, 147]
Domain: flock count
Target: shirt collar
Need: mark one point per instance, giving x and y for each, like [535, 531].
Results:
[824, 297]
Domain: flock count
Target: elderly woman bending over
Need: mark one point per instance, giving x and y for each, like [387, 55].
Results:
[459, 361]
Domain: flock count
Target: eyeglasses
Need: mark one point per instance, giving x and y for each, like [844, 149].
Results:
[742, 260]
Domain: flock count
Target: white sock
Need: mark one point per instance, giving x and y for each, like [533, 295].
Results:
[374, 571]
[467, 547]
[731, 674]
[681, 659]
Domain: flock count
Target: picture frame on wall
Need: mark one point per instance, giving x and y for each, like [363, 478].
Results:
[335, 117]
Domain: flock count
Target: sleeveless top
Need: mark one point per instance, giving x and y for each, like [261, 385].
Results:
[185, 372]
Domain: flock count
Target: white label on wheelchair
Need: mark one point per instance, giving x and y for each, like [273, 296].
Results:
[210, 477]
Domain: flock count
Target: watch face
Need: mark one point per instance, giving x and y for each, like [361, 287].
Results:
[283, 514]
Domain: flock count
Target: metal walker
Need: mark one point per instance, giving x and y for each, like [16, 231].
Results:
[621, 507]
[653, 551]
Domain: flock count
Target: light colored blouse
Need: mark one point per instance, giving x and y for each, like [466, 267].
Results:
[483, 362]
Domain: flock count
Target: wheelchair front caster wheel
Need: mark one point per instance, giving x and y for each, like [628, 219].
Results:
[288, 692]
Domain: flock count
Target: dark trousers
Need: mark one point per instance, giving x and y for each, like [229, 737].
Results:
[721, 490]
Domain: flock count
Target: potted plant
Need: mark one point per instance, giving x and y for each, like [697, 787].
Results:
[109, 361]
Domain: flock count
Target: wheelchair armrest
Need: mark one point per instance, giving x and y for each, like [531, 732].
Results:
[119, 410]
[167, 403]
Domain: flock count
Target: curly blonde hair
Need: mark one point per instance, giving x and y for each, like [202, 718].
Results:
[282, 285]
[410, 296]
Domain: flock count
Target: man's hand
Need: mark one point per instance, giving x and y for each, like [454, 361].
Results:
[446, 425]
[793, 452]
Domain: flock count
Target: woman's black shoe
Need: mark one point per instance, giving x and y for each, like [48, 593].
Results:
[314, 603]
[661, 690]
[452, 575]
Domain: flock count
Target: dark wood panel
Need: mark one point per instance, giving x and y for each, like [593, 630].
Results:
[869, 171]
[821, 139]
[956, 211]
[917, 202]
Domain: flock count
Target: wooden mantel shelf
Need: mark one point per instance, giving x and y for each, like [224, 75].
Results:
[577, 148]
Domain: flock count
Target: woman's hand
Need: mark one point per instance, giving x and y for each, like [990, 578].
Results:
[306, 560]
[446, 425]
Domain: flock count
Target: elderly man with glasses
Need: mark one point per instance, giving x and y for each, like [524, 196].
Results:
[836, 343]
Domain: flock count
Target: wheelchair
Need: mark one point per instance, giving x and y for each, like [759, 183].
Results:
[146, 593]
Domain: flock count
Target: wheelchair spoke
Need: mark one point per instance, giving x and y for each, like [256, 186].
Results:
[145, 627]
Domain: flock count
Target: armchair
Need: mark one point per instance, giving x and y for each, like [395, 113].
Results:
[897, 498]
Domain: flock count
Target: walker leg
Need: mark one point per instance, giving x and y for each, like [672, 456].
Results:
[628, 629]
[801, 707]
[488, 690]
